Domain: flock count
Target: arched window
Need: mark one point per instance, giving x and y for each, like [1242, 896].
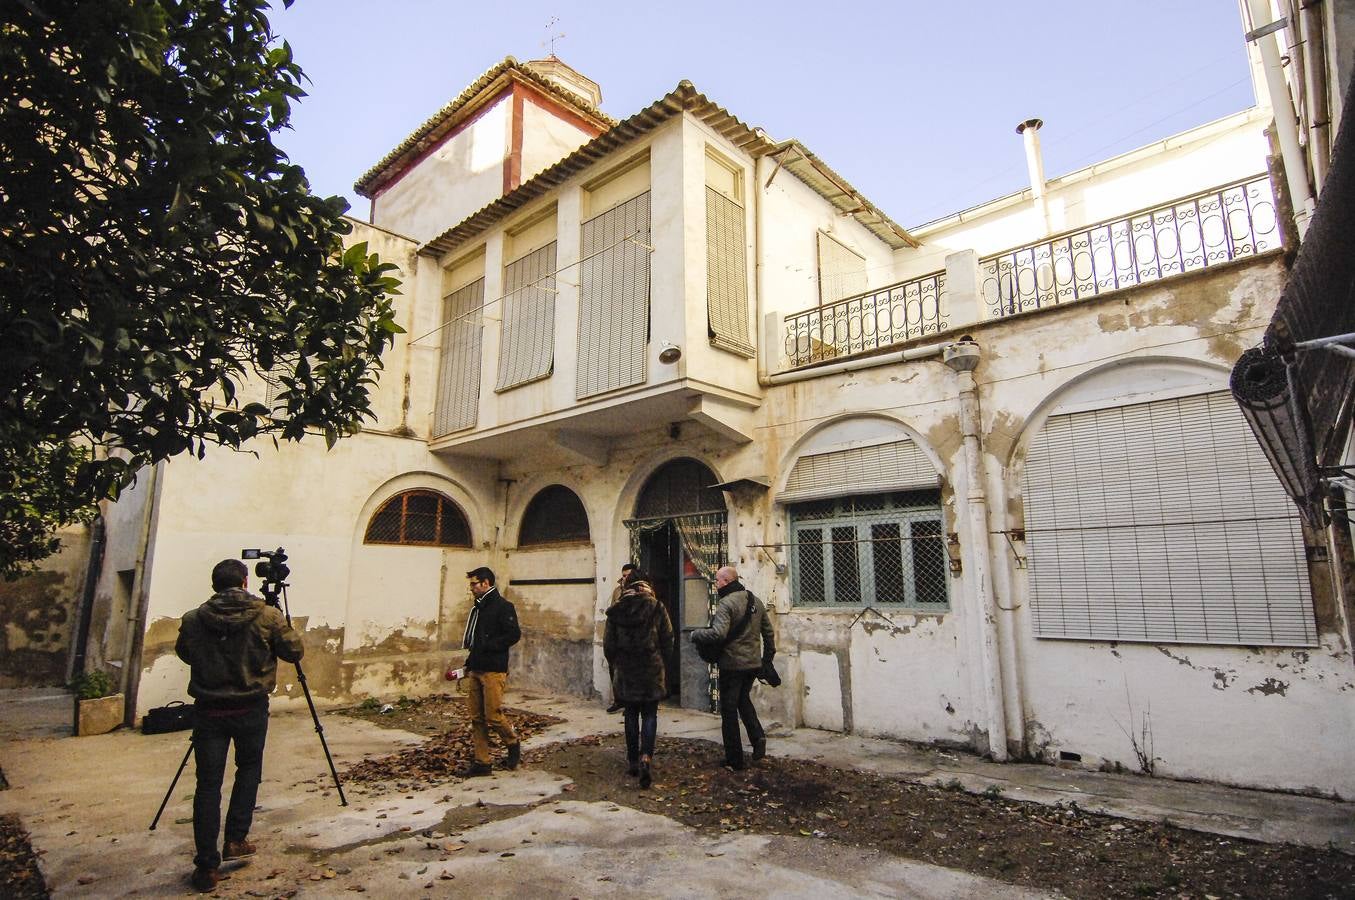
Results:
[424, 518]
[681, 487]
[555, 516]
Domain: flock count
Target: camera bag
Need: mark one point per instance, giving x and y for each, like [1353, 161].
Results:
[174, 716]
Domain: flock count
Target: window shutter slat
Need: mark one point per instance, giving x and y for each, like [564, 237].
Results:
[614, 299]
[527, 351]
[1162, 522]
[458, 398]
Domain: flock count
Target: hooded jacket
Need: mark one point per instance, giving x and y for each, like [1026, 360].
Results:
[747, 648]
[637, 642]
[232, 644]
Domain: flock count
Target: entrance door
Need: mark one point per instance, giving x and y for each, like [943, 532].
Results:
[679, 501]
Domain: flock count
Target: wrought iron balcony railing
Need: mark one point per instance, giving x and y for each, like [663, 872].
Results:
[890, 315]
[1193, 233]
[1186, 235]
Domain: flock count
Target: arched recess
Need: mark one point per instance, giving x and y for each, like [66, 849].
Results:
[863, 498]
[679, 534]
[1151, 514]
[554, 515]
[396, 589]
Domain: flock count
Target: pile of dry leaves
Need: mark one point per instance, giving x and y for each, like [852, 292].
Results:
[447, 753]
[19, 875]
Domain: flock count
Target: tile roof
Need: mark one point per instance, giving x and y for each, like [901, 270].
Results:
[684, 98]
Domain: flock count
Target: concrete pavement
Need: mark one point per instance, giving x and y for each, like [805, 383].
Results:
[87, 803]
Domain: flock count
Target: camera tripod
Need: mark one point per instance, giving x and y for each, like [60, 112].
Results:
[272, 588]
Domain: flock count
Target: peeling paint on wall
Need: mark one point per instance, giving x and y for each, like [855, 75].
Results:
[1270, 687]
[35, 613]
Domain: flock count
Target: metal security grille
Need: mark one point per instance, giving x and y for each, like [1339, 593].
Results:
[459, 370]
[614, 298]
[419, 517]
[555, 515]
[528, 349]
[842, 273]
[726, 273]
[1162, 522]
[875, 550]
[856, 470]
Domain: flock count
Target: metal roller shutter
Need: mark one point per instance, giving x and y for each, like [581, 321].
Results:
[892, 466]
[614, 298]
[1162, 522]
[527, 351]
[726, 273]
[459, 369]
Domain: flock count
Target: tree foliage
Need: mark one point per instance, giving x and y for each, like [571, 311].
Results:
[157, 251]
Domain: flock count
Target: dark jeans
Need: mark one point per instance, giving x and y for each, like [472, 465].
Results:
[735, 704]
[212, 736]
[642, 724]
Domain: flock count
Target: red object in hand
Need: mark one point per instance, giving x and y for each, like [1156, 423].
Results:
[453, 674]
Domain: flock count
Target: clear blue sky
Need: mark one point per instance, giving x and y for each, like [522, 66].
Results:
[915, 103]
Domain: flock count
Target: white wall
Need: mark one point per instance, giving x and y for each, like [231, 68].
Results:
[462, 175]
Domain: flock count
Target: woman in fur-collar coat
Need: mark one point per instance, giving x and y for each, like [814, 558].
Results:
[637, 642]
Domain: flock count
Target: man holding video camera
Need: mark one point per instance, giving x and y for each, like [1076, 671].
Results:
[232, 644]
[491, 628]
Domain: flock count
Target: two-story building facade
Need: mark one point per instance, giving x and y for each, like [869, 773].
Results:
[984, 471]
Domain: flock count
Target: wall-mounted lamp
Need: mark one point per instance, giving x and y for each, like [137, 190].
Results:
[953, 552]
[669, 354]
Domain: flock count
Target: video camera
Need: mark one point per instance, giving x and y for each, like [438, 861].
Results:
[272, 570]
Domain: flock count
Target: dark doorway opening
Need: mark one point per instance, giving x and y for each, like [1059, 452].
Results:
[661, 557]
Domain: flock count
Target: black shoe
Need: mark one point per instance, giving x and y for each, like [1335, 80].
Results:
[478, 769]
[733, 766]
[759, 749]
[646, 779]
[514, 756]
[616, 706]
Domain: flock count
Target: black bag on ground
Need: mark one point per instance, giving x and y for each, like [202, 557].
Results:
[175, 716]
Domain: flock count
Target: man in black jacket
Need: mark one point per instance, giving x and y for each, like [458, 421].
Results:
[232, 644]
[491, 629]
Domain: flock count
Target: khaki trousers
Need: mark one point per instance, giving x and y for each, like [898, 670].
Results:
[484, 694]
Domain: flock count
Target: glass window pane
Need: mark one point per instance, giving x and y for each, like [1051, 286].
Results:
[887, 552]
[809, 565]
[846, 569]
[421, 528]
[929, 562]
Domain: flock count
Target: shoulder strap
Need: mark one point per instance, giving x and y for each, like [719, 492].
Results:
[743, 622]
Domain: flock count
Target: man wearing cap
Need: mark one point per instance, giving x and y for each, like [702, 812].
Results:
[491, 629]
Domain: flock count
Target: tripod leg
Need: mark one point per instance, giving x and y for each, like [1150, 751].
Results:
[164, 802]
[320, 730]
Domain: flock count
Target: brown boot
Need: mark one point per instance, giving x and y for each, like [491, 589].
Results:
[205, 879]
[241, 849]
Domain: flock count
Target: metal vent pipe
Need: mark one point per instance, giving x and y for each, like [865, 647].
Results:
[1030, 134]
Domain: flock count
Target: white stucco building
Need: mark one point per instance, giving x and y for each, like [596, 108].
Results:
[985, 471]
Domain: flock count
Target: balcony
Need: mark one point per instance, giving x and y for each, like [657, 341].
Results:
[1207, 229]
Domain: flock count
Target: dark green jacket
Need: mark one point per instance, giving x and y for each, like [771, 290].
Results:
[232, 644]
[745, 649]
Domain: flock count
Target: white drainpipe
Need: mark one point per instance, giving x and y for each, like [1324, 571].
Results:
[1030, 134]
[854, 365]
[1286, 124]
[962, 358]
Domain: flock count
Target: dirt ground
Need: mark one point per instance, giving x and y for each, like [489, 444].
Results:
[1055, 848]
[1061, 849]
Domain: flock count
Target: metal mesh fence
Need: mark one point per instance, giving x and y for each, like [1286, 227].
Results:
[885, 550]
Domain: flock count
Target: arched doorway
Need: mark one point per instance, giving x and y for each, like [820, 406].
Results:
[679, 535]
